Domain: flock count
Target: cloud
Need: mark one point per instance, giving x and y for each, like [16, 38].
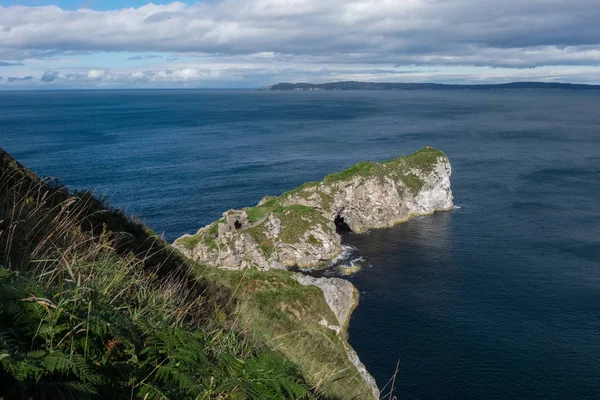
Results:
[49, 76]
[174, 75]
[251, 43]
[17, 54]
[97, 74]
[260, 75]
[511, 33]
[145, 57]
[9, 64]
[14, 79]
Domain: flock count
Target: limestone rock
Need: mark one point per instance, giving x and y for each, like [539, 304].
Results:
[289, 236]
[340, 295]
[381, 195]
[300, 227]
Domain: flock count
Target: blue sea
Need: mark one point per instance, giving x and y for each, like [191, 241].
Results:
[498, 299]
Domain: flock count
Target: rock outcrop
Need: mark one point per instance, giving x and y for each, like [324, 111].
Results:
[341, 297]
[284, 237]
[300, 227]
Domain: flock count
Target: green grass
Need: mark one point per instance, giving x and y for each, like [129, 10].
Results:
[413, 183]
[297, 220]
[209, 241]
[190, 242]
[278, 310]
[300, 190]
[206, 237]
[93, 304]
[326, 201]
[362, 168]
[314, 241]
[258, 212]
[265, 244]
[214, 227]
[424, 160]
[89, 312]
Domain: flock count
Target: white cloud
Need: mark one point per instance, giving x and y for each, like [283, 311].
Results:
[319, 40]
[96, 74]
[419, 30]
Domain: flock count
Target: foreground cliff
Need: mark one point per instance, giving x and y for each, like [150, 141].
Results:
[124, 312]
[96, 306]
[301, 227]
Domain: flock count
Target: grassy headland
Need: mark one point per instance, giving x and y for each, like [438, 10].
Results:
[95, 305]
[296, 217]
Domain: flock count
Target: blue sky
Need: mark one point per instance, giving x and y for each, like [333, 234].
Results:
[47, 44]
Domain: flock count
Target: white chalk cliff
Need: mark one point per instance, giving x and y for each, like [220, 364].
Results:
[300, 227]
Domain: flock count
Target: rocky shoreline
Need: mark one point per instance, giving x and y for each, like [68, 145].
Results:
[341, 297]
[301, 228]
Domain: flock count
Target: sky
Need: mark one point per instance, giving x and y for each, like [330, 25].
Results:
[61, 44]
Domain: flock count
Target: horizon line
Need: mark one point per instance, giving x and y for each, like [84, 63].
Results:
[265, 88]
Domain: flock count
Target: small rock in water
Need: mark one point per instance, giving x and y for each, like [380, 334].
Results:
[347, 270]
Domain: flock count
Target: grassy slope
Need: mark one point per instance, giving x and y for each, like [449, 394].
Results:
[93, 305]
[277, 310]
[153, 289]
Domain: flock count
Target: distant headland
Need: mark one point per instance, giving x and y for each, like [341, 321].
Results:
[353, 85]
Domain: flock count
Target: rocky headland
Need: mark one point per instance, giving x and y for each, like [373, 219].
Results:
[302, 227]
[239, 283]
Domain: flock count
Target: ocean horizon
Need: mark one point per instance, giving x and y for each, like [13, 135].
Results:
[499, 298]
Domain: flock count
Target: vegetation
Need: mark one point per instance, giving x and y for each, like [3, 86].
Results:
[189, 242]
[300, 189]
[314, 241]
[271, 307]
[90, 311]
[95, 305]
[363, 168]
[265, 244]
[424, 159]
[398, 168]
[297, 220]
[289, 317]
[413, 183]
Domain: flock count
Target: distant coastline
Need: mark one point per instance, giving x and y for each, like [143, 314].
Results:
[353, 85]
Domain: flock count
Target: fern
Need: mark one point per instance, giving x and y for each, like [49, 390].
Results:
[89, 313]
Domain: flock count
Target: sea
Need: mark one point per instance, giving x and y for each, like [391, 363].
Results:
[497, 299]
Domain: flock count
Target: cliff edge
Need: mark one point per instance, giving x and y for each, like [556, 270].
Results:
[301, 227]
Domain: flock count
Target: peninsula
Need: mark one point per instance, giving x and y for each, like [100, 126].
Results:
[193, 329]
[302, 227]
